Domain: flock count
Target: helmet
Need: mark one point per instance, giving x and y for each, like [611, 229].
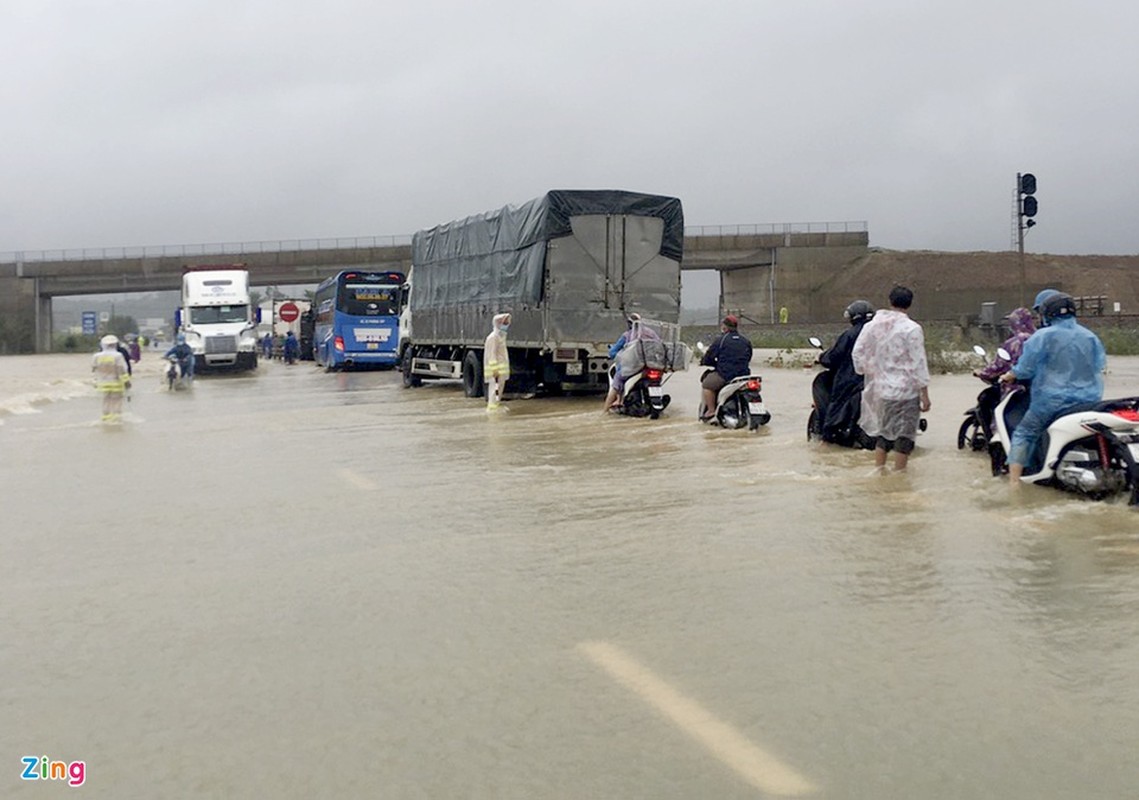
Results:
[731, 321]
[110, 340]
[180, 338]
[858, 311]
[1058, 306]
[1040, 298]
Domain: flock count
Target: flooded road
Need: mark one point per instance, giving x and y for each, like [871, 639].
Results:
[296, 584]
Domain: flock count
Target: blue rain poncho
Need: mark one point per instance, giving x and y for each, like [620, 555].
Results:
[1065, 362]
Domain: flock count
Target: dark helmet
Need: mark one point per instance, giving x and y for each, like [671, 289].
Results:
[858, 311]
[1058, 306]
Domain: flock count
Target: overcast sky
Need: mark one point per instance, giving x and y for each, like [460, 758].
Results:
[147, 122]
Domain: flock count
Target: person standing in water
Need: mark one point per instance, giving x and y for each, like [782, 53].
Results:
[111, 378]
[496, 361]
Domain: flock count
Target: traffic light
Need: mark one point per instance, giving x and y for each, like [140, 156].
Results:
[1026, 187]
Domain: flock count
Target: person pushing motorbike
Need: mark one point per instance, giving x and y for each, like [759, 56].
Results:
[185, 356]
[730, 354]
[840, 423]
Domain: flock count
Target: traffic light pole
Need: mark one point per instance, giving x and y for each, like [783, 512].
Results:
[1020, 238]
[1026, 206]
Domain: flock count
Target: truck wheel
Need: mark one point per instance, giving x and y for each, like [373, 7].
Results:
[472, 374]
[409, 381]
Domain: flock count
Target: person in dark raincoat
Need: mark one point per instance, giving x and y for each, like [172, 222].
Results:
[840, 424]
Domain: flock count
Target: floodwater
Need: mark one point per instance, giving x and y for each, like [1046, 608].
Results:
[294, 584]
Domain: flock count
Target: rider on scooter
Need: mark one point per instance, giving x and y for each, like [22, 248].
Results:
[846, 387]
[730, 355]
[1065, 362]
[185, 356]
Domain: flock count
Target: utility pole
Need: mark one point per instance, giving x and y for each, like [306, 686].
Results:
[1026, 206]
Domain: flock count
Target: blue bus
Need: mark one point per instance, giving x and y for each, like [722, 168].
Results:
[357, 319]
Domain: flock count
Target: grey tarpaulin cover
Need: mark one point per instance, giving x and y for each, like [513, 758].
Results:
[498, 256]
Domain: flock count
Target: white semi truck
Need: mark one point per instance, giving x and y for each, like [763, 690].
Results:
[216, 316]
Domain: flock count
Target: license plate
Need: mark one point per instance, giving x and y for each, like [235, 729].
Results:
[573, 368]
[373, 345]
[656, 391]
[755, 408]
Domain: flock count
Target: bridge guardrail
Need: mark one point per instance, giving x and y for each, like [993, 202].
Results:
[182, 250]
[289, 245]
[859, 226]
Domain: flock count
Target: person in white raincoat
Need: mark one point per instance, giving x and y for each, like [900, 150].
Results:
[890, 353]
[111, 377]
[496, 360]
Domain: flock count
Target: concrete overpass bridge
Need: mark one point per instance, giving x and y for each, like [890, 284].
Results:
[762, 267]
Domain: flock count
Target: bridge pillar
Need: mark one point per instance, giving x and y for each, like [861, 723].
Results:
[25, 318]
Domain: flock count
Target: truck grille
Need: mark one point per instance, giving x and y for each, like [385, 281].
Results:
[221, 344]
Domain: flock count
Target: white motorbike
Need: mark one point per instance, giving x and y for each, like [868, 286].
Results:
[1092, 450]
[739, 404]
[643, 394]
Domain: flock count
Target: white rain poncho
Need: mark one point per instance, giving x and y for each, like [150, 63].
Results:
[496, 361]
[890, 353]
[496, 358]
[110, 367]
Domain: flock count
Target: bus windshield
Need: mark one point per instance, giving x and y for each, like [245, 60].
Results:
[369, 300]
[204, 315]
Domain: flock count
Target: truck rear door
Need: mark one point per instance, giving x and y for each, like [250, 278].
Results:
[613, 263]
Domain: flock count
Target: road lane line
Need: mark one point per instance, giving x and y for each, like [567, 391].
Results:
[759, 768]
[356, 479]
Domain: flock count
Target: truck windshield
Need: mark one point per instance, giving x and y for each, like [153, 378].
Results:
[369, 300]
[204, 315]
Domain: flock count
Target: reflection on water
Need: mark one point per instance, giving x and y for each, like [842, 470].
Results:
[276, 570]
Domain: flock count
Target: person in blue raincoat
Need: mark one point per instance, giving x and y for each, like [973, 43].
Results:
[292, 348]
[1065, 362]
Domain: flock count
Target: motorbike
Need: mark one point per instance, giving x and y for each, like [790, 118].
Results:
[1092, 450]
[976, 430]
[643, 394]
[739, 404]
[173, 377]
[852, 436]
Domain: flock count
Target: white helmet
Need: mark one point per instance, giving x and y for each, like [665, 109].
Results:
[110, 340]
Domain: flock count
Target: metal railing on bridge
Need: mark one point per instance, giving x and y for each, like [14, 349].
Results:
[292, 245]
[777, 227]
[182, 250]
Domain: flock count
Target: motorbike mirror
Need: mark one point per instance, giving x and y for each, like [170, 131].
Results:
[700, 347]
[815, 342]
[979, 351]
[1004, 354]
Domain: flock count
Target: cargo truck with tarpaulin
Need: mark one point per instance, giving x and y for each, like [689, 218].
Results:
[569, 266]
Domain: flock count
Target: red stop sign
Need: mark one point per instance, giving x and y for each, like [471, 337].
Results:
[288, 312]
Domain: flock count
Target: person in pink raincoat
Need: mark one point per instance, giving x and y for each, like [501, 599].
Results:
[890, 354]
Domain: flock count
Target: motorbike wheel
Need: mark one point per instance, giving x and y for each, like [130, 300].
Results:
[972, 434]
[170, 381]
[997, 459]
[637, 402]
[814, 428]
[733, 414]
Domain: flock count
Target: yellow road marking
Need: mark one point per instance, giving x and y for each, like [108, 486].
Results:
[759, 768]
[356, 479]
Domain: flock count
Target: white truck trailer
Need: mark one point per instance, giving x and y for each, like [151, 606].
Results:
[569, 266]
[217, 318]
